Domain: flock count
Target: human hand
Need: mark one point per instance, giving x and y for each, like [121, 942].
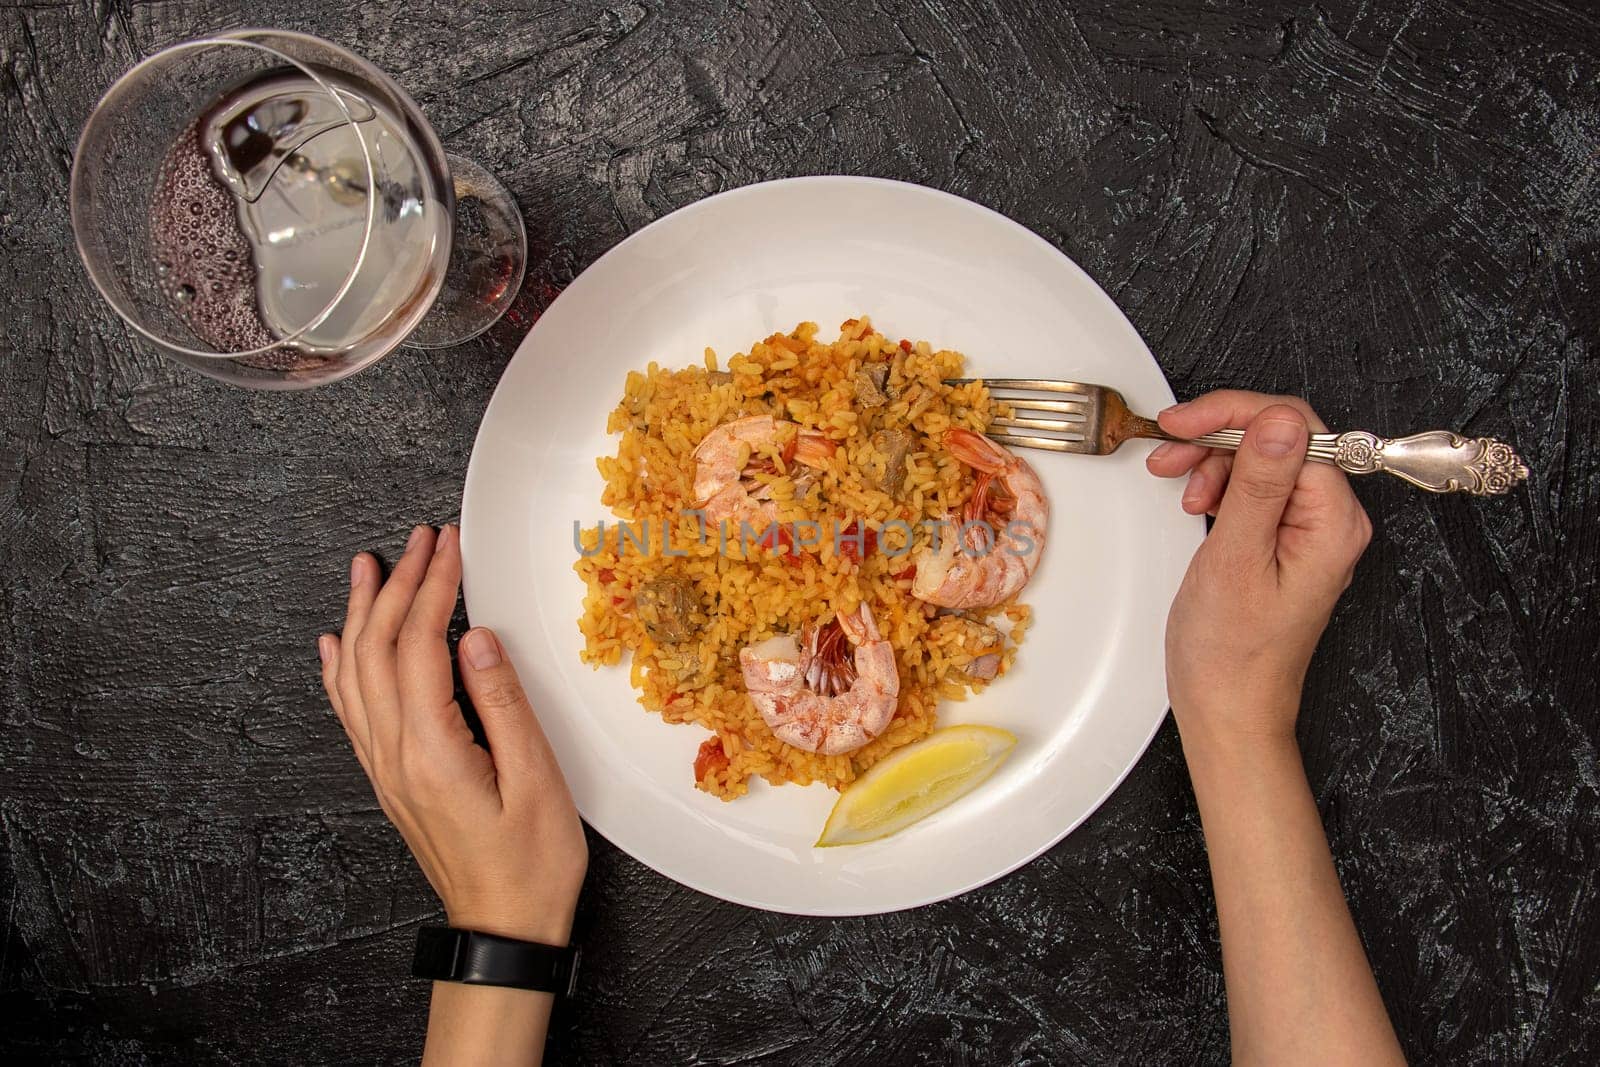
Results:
[1259, 590]
[494, 831]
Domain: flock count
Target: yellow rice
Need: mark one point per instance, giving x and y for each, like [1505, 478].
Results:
[749, 593]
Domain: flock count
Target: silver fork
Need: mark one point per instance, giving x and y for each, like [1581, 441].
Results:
[1094, 420]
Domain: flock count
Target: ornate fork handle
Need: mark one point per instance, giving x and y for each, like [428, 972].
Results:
[1436, 460]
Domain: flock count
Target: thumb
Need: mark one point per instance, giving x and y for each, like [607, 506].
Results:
[515, 738]
[1264, 474]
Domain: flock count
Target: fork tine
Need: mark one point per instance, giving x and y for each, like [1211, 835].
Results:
[1049, 444]
[1053, 425]
[1043, 385]
[1063, 407]
[1081, 432]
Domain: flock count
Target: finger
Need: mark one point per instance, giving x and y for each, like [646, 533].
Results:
[365, 577]
[1335, 530]
[1226, 408]
[375, 647]
[1264, 473]
[1173, 459]
[328, 650]
[1325, 487]
[426, 687]
[521, 754]
[393, 604]
[1206, 484]
[328, 653]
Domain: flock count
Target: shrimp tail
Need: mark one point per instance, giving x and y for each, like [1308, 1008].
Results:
[860, 627]
[814, 450]
[976, 450]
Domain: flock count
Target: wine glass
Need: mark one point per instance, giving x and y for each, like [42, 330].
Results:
[275, 212]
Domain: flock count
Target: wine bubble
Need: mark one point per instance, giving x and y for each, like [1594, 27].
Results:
[198, 246]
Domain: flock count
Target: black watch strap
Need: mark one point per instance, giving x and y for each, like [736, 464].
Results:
[445, 954]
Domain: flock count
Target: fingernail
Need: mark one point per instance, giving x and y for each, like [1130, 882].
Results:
[1195, 489]
[357, 570]
[446, 531]
[1277, 437]
[481, 649]
[325, 648]
[415, 538]
[1175, 407]
[1160, 451]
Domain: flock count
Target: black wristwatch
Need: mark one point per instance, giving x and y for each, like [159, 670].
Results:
[445, 954]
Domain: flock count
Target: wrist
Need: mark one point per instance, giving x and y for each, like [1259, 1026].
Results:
[1239, 713]
[548, 923]
[1224, 751]
[477, 1024]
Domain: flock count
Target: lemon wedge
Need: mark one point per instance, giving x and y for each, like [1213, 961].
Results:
[915, 782]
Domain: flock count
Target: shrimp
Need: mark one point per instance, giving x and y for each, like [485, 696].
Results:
[972, 569]
[812, 696]
[723, 462]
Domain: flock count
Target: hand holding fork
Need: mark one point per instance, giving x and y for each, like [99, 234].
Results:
[1095, 420]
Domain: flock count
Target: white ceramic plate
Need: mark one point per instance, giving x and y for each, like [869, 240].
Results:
[1088, 689]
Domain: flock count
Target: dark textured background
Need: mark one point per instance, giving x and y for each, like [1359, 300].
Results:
[1388, 207]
